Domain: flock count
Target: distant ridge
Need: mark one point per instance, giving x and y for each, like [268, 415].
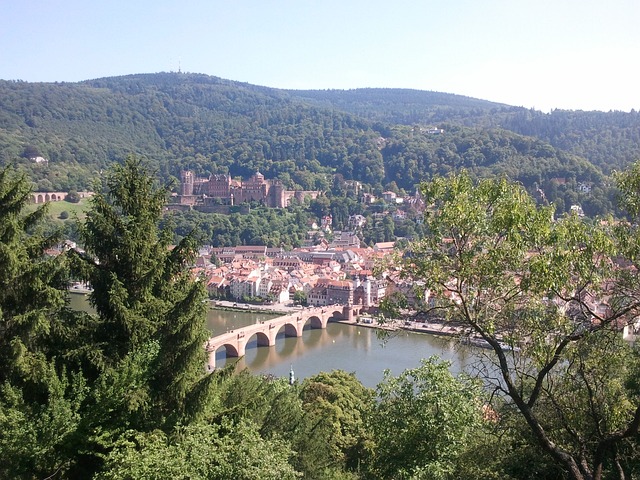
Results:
[380, 137]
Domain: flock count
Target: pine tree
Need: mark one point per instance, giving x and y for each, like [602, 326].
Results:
[39, 397]
[32, 284]
[144, 294]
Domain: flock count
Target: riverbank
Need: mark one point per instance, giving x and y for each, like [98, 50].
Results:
[228, 306]
[80, 290]
[430, 328]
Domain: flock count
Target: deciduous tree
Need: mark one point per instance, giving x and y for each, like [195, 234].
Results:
[423, 421]
[549, 299]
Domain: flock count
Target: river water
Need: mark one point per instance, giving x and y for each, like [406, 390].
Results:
[345, 347]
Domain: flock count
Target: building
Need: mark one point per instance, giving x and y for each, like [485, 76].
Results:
[220, 188]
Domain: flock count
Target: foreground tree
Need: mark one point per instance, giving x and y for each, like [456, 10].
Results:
[200, 451]
[548, 299]
[32, 284]
[142, 352]
[39, 397]
[423, 422]
[143, 290]
[334, 436]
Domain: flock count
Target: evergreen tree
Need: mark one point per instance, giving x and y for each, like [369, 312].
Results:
[39, 399]
[144, 295]
[31, 284]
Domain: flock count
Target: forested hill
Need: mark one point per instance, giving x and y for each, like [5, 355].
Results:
[376, 136]
[403, 106]
[609, 140]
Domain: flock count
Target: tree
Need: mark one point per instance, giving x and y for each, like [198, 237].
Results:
[300, 297]
[423, 421]
[548, 299]
[72, 197]
[200, 451]
[39, 398]
[335, 436]
[32, 284]
[143, 352]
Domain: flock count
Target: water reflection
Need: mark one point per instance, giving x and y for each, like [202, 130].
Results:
[350, 348]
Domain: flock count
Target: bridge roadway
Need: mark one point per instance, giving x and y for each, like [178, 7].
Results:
[235, 341]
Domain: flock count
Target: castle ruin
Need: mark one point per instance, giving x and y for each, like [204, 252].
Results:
[218, 188]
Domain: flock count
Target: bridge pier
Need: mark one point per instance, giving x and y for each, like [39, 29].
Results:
[211, 359]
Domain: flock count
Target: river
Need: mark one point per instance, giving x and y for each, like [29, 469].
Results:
[351, 348]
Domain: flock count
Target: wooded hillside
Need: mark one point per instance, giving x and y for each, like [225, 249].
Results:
[376, 136]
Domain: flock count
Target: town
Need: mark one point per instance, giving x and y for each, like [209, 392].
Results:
[315, 276]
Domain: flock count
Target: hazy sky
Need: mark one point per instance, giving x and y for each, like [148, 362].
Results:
[573, 54]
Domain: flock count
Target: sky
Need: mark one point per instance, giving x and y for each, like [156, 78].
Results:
[542, 54]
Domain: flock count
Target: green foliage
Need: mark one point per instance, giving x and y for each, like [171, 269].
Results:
[628, 182]
[36, 433]
[72, 197]
[607, 139]
[300, 297]
[412, 156]
[336, 436]
[425, 419]
[142, 290]
[502, 267]
[199, 451]
[31, 284]
[210, 125]
[39, 399]
[260, 226]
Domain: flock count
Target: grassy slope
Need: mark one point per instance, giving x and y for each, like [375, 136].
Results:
[56, 208]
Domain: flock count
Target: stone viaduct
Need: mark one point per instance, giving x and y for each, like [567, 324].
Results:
[235, 341]
[44, 197]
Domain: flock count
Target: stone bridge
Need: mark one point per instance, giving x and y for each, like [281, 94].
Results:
[44, 197]
[235, 341]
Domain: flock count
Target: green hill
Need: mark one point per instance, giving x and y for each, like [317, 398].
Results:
[380, 137]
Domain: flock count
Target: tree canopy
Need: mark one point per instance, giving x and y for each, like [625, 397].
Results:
[549, 296]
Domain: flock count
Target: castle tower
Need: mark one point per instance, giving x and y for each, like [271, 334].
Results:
[278, 200]
[186, 185]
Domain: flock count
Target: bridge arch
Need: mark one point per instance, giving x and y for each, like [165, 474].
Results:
[291, 330]
[262, 339]
[229, 349]
[316, 322]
